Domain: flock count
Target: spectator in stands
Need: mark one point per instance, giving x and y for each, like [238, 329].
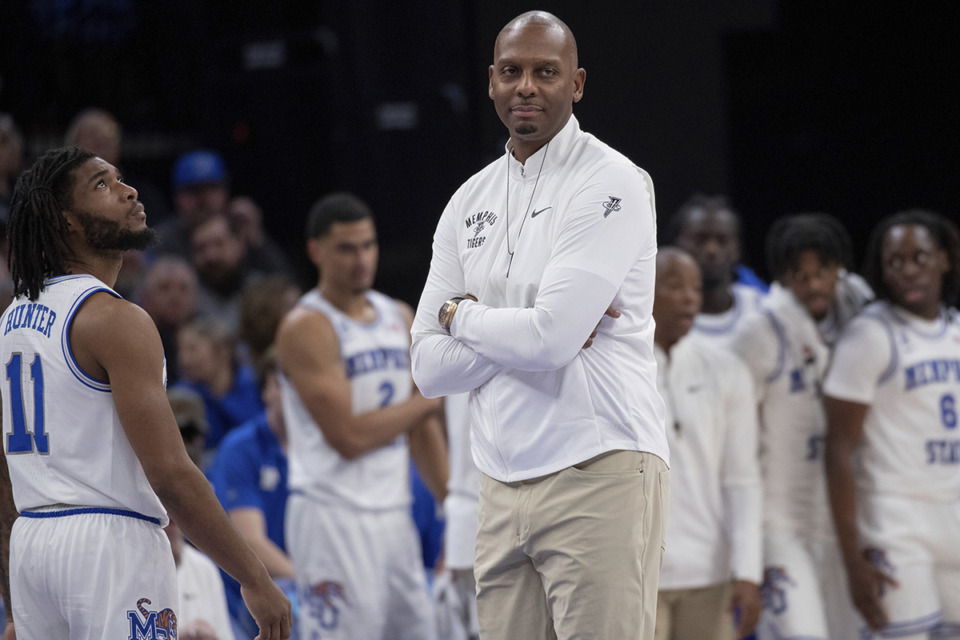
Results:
[263, 253]
[169, 295]
[99, 131]
[201, 190]
[209, 366]
[263, 303]
[11, 158]
[218, 256]
[191, 417]
[249, 475]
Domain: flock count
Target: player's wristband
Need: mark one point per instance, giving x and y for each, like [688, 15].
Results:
[446, 312]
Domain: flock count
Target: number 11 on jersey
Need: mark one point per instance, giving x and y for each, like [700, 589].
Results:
[21, 440]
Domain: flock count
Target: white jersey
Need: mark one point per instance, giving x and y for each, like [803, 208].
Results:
[714, 530]
[62, 436]
[787, 352]
[720, 329]
[376, 359]
[461, 508]
[907, 369]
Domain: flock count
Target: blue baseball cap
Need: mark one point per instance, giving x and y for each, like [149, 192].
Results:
[196, 167]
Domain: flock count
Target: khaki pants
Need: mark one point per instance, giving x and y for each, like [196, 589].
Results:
[695, 614]
[573, 555]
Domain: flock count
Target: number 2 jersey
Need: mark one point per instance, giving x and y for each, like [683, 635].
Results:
[376, 360]
[907, 369]
[61, 434]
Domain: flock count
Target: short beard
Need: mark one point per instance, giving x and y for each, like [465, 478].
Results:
[525, 129]
[105, 236]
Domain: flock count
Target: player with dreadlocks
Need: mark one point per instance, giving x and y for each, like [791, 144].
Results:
[893, 450]
[94, 460]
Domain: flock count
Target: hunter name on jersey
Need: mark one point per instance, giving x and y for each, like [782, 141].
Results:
[31, 315]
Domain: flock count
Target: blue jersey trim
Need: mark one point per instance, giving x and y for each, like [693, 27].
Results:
[738, 305]
[79, 373]
[72, 276]
[911, 627]
[77, 511]
[943, 317]
[781, 345]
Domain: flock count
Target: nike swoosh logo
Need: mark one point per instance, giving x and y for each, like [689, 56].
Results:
[536, 213]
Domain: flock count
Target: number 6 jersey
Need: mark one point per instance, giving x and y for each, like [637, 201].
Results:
[61, 433]
[907, 370]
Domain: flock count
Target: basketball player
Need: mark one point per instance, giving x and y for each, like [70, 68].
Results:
[709, 230]
[353, 420]
[94, 454]
[787, 348]
[891, 402]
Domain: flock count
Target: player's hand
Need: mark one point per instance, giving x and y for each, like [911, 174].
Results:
[613, 313]
[746, 598]
[270, 608]
[867, 583]
[9, 633]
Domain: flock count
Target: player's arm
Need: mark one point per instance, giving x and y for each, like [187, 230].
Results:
[844, 432]
[590, 259]
[861, 358]
[252, 525]
[308, 350]
[116, 341]
[761, 348]
[442, 365]
[428, 446]
[742, 495]
[8, 513]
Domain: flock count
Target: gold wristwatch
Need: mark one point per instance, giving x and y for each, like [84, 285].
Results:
[447, 309]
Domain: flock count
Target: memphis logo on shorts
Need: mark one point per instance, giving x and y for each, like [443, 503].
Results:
[776, 583]
[151, 625]
[325, 600]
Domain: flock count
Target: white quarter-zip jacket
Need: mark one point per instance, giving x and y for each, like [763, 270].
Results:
[582, 230]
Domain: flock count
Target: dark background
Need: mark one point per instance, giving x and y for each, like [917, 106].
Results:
[784, 106]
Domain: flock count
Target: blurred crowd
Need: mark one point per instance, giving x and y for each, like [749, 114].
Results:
[217, 286]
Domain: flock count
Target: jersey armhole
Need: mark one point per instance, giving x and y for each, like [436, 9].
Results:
[894, 357]
[81, 375]
[781, 346]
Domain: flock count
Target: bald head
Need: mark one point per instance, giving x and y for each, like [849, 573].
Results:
[98, 131]
[669, 259]
[677, 296]
[543, 20]
[535, 80]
